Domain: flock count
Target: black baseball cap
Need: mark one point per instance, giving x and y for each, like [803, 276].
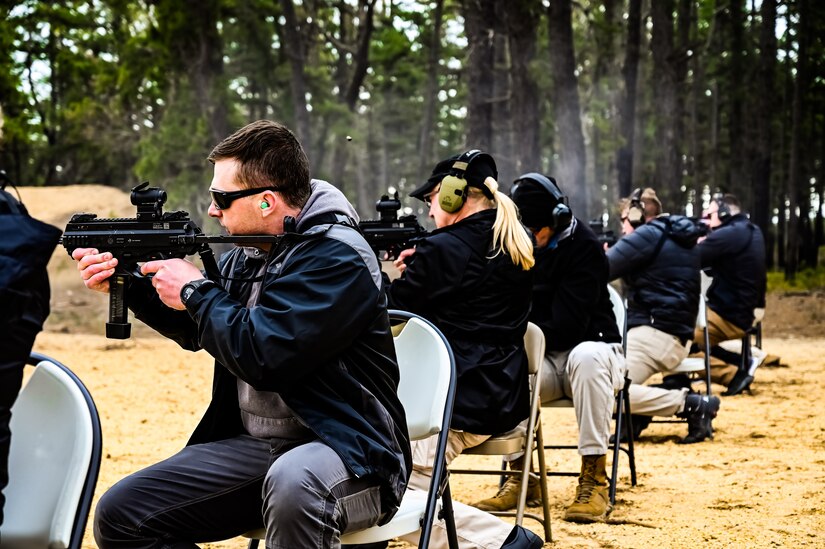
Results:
[441, 170]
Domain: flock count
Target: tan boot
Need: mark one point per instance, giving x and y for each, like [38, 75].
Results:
[592, 503]
[507, 496]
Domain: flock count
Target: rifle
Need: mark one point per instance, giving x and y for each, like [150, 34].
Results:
[152, 234]
[391, 234]
[603, 236]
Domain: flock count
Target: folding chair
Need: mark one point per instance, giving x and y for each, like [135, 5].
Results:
[54, 459]
[623, 412]
[519, 440]
[426, 390]
[694, 367]
[741, 351]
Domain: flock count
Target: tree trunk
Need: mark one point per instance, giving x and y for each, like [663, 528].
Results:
[503, 127]
[630, 69]
[479, 25]
[295, 48]
[667, 107]
[794, 168]
[426, 151]
[570, 172]
[765, 109]
[522, 26]
[349, 77]
[735, 100]
[202, 55]
[604, 194]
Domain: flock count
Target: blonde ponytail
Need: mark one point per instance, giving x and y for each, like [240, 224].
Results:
[509, 235]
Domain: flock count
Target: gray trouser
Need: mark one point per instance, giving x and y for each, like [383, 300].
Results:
[591, 374]
[651, 351]
[300, 490]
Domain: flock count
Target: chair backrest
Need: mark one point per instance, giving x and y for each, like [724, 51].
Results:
[534, 346]
[53, 461]
[426, 363]
[619, 311]
[702, 314]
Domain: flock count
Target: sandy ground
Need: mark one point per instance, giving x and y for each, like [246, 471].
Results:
[757, 484]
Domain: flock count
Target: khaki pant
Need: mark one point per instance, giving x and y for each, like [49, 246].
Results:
[719, 330]
[651, 351]
[591, 374]
[474, 528]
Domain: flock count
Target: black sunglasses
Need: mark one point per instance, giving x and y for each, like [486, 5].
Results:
[224, 199]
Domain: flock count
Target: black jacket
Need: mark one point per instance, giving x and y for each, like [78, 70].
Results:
[319, 336]
[659, 263]
[481, 306]
[26, 245]
[734, 255]
[570, 300]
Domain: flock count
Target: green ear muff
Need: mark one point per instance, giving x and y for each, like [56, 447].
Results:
[452, 193]
[264, 205]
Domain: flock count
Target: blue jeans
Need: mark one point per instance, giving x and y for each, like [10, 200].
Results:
[300, 490]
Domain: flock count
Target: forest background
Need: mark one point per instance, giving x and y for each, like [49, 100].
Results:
[687, 96]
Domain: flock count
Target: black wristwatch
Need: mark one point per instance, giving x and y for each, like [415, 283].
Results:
[189, 289]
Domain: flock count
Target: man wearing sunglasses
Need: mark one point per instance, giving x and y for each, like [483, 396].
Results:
[305, 434]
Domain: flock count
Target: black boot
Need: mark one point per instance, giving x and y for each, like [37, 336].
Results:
[522, 538]
[674, 382]
[740, 383]
[640, 423]
[699, 411]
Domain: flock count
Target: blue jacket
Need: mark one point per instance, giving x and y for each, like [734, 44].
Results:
[319, 336]
[659, 263]
[734, 255]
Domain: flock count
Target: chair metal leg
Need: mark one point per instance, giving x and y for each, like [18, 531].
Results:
[624, 423]
[449, 521]
[253, 544]
[707, 359]
[631, 452]
[617, 437]
[545, 503]
[746, 352]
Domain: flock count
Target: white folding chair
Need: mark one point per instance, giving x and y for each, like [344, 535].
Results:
[54, 460]
[623, 412]
[696, 366]
[519, 440]
[426, 390]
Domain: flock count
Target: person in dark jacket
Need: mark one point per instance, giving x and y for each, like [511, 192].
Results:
[733, 254]
[305, 434]
[471, 277]
[26, 245]
[658, 261]
[584, 358]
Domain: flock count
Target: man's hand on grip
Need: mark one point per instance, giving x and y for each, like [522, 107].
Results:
[95, 268]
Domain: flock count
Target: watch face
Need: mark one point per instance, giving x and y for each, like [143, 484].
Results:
[187, 293]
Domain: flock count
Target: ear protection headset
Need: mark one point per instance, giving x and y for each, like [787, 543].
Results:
[561, 215]
[453, 191]
[724, 209]
[636, 209]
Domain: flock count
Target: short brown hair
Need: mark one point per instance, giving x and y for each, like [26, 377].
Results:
[269, 155]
